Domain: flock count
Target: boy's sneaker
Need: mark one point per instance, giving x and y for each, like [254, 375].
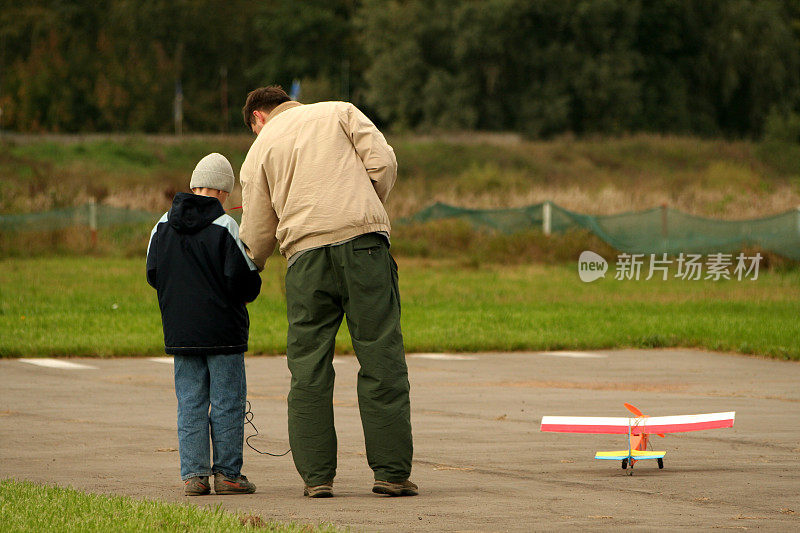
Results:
[403, 488]
[197, 486]
[325, 490]
[227, 485]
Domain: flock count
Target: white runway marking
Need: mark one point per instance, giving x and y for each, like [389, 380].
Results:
[443, 356]
[576, 355]
[165, 360]
[57, 363]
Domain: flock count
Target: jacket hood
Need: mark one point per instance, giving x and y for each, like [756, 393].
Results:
[191, 213]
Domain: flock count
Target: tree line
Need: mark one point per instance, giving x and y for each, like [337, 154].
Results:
[539, 67]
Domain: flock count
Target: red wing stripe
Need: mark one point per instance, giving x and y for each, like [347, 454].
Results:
[677, 428]
[584, 428]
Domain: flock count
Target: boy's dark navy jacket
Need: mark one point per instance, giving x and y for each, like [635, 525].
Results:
[203, 276]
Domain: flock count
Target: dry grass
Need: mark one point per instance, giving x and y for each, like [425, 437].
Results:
[716, 178]
[457, 239]
[726, 203]
[597, 175]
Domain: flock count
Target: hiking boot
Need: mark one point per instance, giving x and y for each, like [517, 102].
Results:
[228, 485]
[196, 486]
[403, 488]
[324, 490]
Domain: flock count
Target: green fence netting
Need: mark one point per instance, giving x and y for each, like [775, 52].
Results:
[658, 230]
[104, 215]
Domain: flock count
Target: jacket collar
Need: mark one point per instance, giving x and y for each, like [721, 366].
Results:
[280, 109]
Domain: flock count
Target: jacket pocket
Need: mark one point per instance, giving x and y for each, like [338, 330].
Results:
[370, 242]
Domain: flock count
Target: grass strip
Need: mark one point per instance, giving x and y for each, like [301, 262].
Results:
[26, 506]
[72, 306]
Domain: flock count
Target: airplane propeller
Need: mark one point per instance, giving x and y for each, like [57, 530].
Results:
[635, 410]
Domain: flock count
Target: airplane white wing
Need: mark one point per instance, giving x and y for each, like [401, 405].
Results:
[638, 426]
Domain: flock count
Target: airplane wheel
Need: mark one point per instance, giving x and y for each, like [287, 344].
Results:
[660, 463]
[624, 464]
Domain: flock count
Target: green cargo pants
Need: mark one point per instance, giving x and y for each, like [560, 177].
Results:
[357, 279]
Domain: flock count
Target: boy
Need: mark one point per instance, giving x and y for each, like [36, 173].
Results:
[204, 278]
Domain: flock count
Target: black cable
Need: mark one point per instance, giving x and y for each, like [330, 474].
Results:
[248, 419]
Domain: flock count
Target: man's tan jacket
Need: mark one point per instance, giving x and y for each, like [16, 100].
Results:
[316, 174]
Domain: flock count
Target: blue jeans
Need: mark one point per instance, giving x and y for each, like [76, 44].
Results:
[217, 382]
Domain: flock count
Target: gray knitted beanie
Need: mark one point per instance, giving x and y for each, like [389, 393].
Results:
[213, 171]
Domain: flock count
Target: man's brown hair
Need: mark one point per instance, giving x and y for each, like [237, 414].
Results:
[263, 99]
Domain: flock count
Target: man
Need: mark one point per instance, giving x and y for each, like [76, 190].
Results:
[314, 181]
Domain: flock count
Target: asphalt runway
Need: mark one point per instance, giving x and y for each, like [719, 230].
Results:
[480, 460]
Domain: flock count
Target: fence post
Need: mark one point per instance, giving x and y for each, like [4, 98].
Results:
[93, 220]
[547, 220]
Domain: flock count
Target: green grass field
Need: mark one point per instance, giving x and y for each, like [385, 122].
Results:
[26, 506]
[93, 306]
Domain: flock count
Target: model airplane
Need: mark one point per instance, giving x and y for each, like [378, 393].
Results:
[638, 429]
